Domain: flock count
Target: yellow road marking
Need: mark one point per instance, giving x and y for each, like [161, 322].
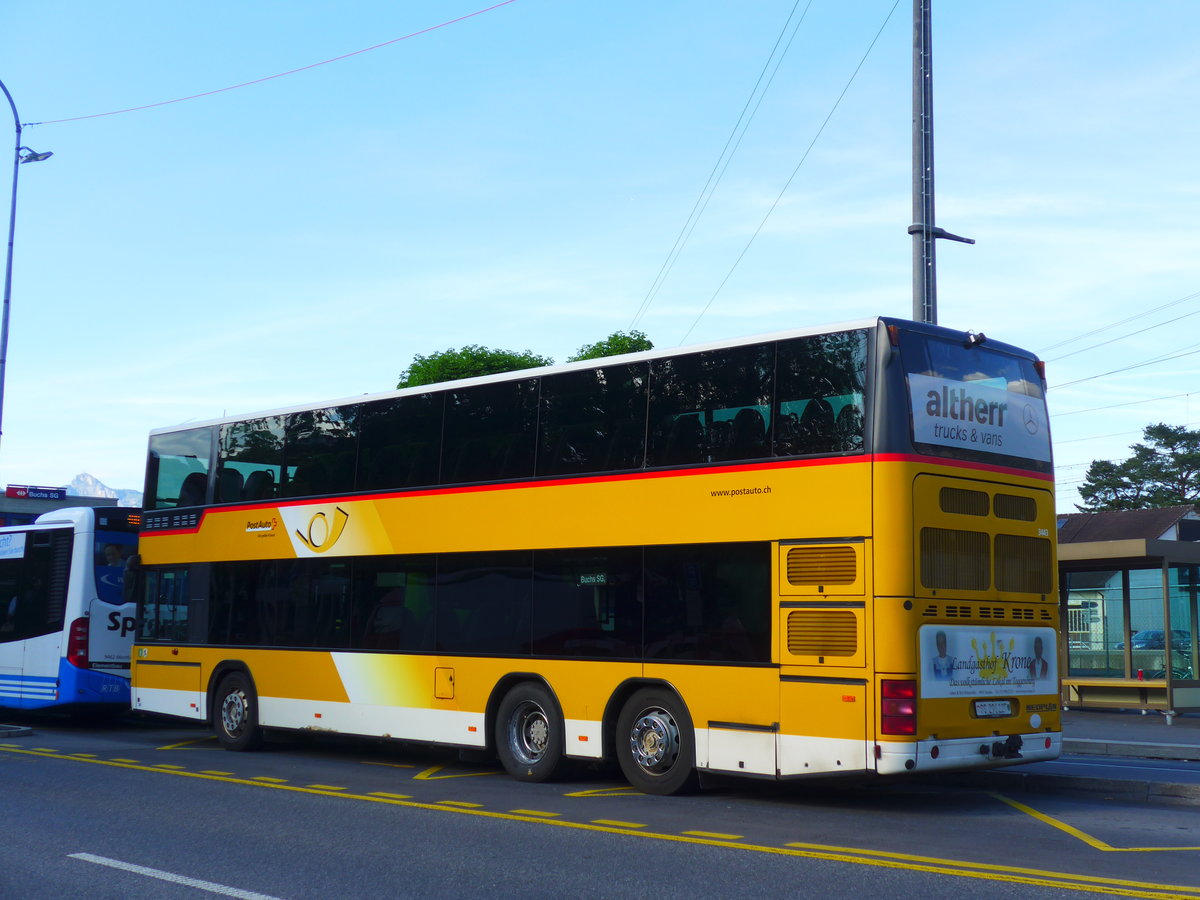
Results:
[387, 796]
[607, 792]
[167, 766]
[187, 745]
[541, 814]
[935, 865]
[215, 772]
[121, 760]
[391, 765]
[1076, 833]
[85, 755]
[714, 835]
[267, 779]
[428, 774]
[326, 787]
[617, 823]
[459, 804]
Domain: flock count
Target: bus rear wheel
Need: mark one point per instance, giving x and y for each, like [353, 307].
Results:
[235, 718]
[529, 733]
[656, 746]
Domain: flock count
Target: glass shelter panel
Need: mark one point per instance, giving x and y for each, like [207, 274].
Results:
[1095, 624]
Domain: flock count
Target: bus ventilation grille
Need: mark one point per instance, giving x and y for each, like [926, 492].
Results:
[955, 560]
[822, 565]
[963, 502]
[816, 632]
[1023, 509]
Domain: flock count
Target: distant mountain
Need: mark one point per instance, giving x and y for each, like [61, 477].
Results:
[85, 485]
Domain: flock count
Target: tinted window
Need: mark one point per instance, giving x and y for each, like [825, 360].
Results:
[490, 432]
[711, 406]
[587, 603]
[708, 602]
[401, 442]
[819, 394]
[394, 603]
[33, 583]
[250, 461]
[177, 469]
[483, 602]
[321, 446]
[593, 421]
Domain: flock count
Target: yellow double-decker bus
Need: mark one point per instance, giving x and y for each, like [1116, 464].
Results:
[813, 552]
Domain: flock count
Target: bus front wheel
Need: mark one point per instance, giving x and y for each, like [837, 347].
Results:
[236, 714]
[656, 746]
[529, 733]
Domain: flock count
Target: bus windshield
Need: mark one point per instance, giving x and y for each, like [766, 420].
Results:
[972, 399]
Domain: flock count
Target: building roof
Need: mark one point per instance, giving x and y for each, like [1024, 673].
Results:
[1129, 524]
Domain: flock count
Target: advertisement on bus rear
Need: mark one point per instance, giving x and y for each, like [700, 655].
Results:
[982, 661]
[974, 415]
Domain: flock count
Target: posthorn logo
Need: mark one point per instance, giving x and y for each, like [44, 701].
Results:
[322, 531]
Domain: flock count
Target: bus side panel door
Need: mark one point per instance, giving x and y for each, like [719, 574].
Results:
[823, 726]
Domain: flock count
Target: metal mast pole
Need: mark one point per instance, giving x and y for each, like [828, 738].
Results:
[924, 231]
[12, 227]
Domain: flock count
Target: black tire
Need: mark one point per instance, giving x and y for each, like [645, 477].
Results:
[656, 745]
[235, 714]
[529, 733]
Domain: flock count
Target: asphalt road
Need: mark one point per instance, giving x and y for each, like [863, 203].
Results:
[117, 811]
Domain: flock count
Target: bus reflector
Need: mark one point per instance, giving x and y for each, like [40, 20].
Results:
[77, 644]
[898, 707]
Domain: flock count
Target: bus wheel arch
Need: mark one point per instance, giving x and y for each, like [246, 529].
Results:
[527, 728]
[654, 739]
[233, 707]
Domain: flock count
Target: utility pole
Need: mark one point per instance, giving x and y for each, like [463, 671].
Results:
[923, 229]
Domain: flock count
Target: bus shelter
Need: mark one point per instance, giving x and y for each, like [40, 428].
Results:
[1129, 614]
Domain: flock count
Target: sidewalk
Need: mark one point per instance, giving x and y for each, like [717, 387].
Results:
[1131, 734]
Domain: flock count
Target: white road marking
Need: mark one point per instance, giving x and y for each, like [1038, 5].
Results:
[209, 886]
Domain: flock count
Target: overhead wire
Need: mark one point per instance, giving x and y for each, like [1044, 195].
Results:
[724, 158]
[1149, 362]
[1112, 325]
[324, 62]
[795, 171]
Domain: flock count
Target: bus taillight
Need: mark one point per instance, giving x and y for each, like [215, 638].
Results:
[898, 706]
[77, 644]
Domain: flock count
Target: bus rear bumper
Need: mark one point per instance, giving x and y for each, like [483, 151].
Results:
[966, 753]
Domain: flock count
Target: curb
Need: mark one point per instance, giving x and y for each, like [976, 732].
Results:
[7, 731]
[1128, 750]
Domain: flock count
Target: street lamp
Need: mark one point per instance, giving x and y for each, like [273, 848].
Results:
[20, 155]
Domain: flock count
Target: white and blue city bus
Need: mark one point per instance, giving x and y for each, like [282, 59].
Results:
[65, 627]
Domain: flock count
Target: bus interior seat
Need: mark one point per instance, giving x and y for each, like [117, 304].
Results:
[849, 427]
[749, 439]
[260, 484]
[229, 485]
[816, 426]
[683, 442]
[192, 491]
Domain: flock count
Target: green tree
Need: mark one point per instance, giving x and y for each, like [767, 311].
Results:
[1163, 471]
[468, 362]
[614, 345]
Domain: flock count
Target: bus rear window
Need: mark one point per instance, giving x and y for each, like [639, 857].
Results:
[975, 400]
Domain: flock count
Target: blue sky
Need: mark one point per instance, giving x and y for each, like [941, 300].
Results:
[517, 179]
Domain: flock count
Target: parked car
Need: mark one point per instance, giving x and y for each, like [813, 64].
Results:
[1155, 639]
